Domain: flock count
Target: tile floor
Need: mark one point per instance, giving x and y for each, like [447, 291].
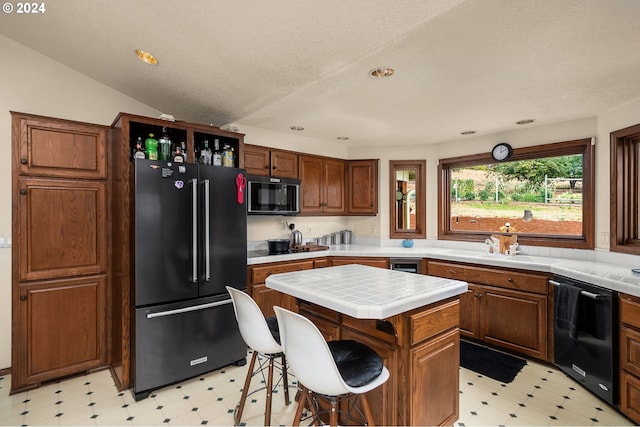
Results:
[538, 396]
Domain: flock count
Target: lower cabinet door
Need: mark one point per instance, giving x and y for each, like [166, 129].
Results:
[267, 298]
[630, 396]
[469, 313]
[515, 320]
[434, 379]
[61, 329]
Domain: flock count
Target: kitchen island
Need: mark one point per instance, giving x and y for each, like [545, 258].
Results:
[410, 320]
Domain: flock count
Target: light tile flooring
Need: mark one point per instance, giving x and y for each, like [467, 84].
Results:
[538, 396]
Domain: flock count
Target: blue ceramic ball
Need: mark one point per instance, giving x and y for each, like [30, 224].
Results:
[407, 243]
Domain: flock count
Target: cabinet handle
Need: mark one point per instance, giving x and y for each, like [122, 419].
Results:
[24, 161]
[23, 191]
[266, 166]
[274, 168]
[510, 279]
[300, 269]
[451, 271]
[23, 297]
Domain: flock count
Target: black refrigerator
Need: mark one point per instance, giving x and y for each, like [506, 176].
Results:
[190, 238]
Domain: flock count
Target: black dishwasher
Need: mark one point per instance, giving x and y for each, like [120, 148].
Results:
[586, 336]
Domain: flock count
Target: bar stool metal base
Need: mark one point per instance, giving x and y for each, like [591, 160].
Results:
[267, 363]
[351, 411]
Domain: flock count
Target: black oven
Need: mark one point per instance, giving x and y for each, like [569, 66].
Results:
[585, 329]
[272, 196]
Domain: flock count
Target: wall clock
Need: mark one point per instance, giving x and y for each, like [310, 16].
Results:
[501, 152]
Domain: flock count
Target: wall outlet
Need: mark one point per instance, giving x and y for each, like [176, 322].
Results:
[604, 237]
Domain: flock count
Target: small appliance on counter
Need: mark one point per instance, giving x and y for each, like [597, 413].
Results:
[296, 235]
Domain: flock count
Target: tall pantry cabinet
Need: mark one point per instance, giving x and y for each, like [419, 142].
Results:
[60, 248]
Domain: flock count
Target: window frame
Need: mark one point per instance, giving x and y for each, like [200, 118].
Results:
[625, 172]
[420, 232]
[585, 147]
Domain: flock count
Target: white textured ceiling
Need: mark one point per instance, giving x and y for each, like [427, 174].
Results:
[460, 64]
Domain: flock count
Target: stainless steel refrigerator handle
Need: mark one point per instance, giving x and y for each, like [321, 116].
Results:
[188, 309]
[207, 260]
[584, 293]
[194, 228]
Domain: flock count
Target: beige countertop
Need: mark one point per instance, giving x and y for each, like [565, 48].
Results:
[365, 292]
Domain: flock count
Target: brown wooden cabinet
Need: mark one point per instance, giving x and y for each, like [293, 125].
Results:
[61, 328]
[362, 187]
[322, 186]
[266, 298]
[509, 309]
[630, 356]
[370, 261]
[264, 161]
[61, 246]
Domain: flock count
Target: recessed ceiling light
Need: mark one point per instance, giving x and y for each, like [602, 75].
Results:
[381, 72]
[468, 132]
[342, 138]
[146, 57]
[525, 121]
[296, 128]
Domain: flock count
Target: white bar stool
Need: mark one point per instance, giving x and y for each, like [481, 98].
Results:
[262, 336]
[333, 369]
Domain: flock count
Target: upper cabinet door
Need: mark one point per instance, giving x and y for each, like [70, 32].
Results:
[311, 185]
[284, 164]
[334, 194]
[62, 228]
[60, 148]
[362, 187]
[256, 160]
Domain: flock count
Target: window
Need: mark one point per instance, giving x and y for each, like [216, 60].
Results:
[407, 196]
[625, 184]
[543, 194]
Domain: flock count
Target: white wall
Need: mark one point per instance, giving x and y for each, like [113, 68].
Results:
[32, 83]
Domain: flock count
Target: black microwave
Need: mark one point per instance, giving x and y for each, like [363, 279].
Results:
[273, 196]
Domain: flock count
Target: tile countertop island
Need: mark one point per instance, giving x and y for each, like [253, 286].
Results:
[410, 320]
[365, 292]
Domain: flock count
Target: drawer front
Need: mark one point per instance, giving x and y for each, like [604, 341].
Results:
[450, 271]
[508, 279]
[434, 321]
[260, 274]
[630, 350]
[485, 276]
[630, 310]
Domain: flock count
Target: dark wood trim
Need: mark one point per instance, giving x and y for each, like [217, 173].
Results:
[579, 146]
[624, 173]
[420, 232]
[5, 371]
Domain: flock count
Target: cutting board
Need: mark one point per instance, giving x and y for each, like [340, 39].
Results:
[309, 247]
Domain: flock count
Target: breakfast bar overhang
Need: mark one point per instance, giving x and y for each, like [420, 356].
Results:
[410, 320]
